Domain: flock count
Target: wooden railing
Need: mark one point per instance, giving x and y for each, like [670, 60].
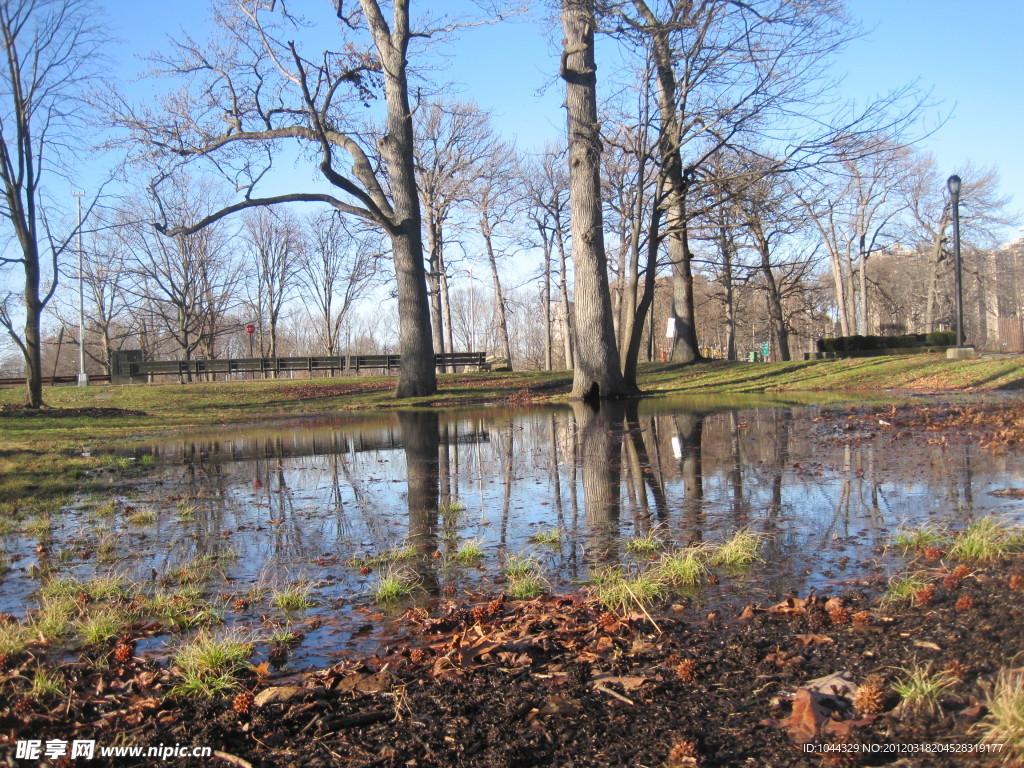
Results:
[129, 368]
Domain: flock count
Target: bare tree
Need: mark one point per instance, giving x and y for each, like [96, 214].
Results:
[336, 266]
[453, 141]
[547, 187]
[597, 373]
[187, 282]
[52, 55]
[274, 243]
[497, 201]
[254, 91]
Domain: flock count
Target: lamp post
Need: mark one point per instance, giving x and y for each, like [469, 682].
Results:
[83, 377]
[953, 183]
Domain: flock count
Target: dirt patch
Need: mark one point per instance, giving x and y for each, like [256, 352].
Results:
[317, 391]
[559, 681]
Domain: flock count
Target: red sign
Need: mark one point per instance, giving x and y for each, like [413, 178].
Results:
[250, 329]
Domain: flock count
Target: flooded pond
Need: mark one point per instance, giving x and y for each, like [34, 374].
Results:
[295, 525]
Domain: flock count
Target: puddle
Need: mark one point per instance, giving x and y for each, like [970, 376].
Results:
[244, 513]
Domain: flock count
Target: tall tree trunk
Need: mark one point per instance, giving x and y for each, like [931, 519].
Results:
[563, 295]
[499, 297]
[597, 373]
[434, 279]
[646, 303]
[839, 282]
[775, 311]
[416, 376]
[33, 349]
[685, 348]
[546, 244]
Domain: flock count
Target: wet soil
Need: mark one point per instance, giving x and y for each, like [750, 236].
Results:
[557, 681]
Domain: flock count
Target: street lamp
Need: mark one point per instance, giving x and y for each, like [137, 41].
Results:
[83, 377]
[953, 183]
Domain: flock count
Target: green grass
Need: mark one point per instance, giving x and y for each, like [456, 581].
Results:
[451, 510]
[742, 550]
[1004, 723]
[46, 683]
[101, 625]
[142, 517]
[920, 689]
[986, 541]
[185, 608]
[912, 539]
[210, 665]
[394, 584]
[550, 537]
[39, 527]
[525, 587]
[54, 618]
[646, 544]
[903, 588]
[386, 557]
[98, 588]
[627, 593]
[293, 597]
[14, 638]
[525, 577]
[470, 553]
[683, 568]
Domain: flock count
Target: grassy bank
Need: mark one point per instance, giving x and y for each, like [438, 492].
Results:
[42, 454]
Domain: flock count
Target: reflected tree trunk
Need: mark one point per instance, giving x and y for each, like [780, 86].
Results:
[687, 448]
[600, 434]
[421, 440]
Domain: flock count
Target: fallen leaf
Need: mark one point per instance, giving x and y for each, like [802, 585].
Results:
[812, 639]
[278, 694]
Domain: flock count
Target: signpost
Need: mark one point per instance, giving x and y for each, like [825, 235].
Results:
[250, 329]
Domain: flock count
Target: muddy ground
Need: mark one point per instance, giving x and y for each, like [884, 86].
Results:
[558, 681]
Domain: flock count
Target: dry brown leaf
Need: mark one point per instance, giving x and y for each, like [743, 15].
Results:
[812, 639]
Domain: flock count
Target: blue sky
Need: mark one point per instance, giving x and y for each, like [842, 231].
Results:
[967, 54]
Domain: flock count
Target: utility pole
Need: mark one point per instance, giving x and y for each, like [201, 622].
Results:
[83, 377]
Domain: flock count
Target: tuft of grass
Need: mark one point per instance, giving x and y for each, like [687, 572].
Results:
[525, 577]
[1004, 723]
[740, 551]
[393, 585]
[99, 588]
[646, 544]
[14, 638]
[294, 597]
[186, 512]
[904, 587]
[551, 537]
[46, 683]
[100, 626]
[518, 566]
[451, 510]
[469, 553]
[919, 690]
[185, 609]
[622, 593]
[985, 541]
[39, 527]
[912, 539]
[142, 517]
[386, 557]
[525, 587]
[210, 665]
[682, 568]
[54, 617]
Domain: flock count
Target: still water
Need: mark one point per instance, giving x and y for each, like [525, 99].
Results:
[310, 499]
